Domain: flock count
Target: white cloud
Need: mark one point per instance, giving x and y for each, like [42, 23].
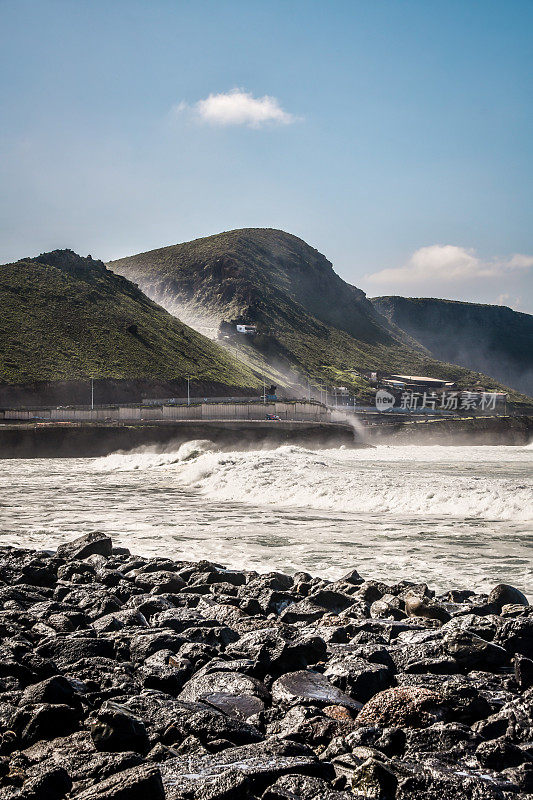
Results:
[520, 261]
[449, 263]
[238, 107]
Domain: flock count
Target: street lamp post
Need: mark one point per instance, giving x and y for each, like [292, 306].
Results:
[92, 394]
[188, 390]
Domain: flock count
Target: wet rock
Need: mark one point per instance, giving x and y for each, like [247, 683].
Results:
[277, 581]
[307, 725]
[303, 787]
[514, 720]
[353, 577]
[521, 777]
[435, 781]
[465, 701]
[55, 690]
[523, 670]
[216, 575]
[68, 650]
[50, 782]
[387, 607]
[357, 677]
[423, 652]
[373, 779]
[236, 706]
[171, 721]
[410, 707]
[471, 651]
[449, 740]
[306, 686]
[44, 721]
[117, 620]
[239, 685]
[416, 606]
[91, 543]
[516, 636]
[181, 619]
[503, 594]
[498, 754]
[165, 671]
[240, 770]
[77, 755]
[223, 682]
[160, 582]
[38, 574]
[388, 741]
[117, 729]
[147, 642]
[274, 654]
[139, 783]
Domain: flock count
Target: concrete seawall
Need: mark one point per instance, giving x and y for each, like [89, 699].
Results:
[49, 440]
[455, 431]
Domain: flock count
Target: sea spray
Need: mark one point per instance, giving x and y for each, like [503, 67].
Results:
[151, 456]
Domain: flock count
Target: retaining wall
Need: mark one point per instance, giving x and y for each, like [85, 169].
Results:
[298, 411]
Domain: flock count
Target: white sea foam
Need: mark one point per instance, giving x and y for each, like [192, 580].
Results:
[386, 480]
[452, 516]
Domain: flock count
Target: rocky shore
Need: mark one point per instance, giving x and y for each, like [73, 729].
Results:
[129, 678]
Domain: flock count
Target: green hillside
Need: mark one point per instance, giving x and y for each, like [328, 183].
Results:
[492, 339]
[311, 322]
[65, 318]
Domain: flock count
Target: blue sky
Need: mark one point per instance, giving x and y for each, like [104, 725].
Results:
[393, 135]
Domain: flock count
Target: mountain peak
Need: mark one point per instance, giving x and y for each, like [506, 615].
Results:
[69, 261]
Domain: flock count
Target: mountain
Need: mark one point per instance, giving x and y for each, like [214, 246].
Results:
[68, 318]
[310, 322]
[492, 339]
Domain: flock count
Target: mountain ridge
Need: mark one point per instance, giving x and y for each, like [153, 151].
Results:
[312, 323]
[477, 335]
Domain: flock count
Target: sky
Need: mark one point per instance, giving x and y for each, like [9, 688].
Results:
[395, 136]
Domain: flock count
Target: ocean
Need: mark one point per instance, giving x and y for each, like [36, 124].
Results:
[454, 517]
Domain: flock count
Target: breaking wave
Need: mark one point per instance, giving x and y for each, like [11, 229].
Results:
[152, 456]
[459, 482]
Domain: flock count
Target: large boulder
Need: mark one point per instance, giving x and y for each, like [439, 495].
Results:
[308, 687]
[139, 783]
[503, 595]
[409, 707]
[85, 546]
[117, 729]
[357, 677]
[238, 771]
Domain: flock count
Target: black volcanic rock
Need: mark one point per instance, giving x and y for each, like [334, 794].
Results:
[207, 691]
[503, 594]
[88, 545]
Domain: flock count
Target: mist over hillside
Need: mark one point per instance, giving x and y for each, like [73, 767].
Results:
[309, 321]
[492, 339]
